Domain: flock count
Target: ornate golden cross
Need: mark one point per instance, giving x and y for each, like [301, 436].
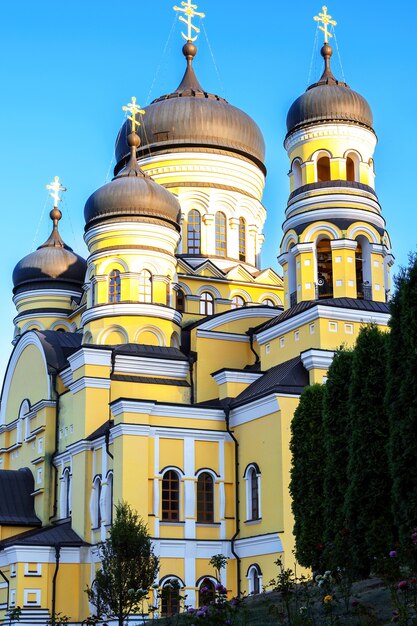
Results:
[190, 11]
[325, 19]
[54, 188]
[133, 109]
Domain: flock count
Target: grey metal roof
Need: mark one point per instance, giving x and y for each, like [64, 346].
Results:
[288, 377]
[61, 534]
[153, 352]
[58, 346]
[344, 303]
[17, 506]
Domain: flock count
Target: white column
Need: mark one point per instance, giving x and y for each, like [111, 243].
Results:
[233, 238]
[189, 488]
[156, 482]
[222, 495]
[208, 243]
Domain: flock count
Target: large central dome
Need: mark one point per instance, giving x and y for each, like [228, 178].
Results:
[191, 118]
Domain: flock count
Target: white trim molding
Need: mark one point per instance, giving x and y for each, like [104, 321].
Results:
[140, 309]
[232, 376]
[166, 410]
[151, 366]
[259, 545]
[315, 358]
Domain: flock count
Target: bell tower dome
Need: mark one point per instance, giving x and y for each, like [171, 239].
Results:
[335, 243]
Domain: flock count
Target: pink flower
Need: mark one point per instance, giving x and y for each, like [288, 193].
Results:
[403, 585]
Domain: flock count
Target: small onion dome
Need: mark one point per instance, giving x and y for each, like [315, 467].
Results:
[329, 100]
[53, 264]
[132, 194]
[192, 118]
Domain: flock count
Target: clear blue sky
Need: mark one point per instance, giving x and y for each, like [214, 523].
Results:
[67, 68]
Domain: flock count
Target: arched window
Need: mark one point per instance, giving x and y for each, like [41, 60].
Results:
[221, 235]
[205, 498]
[109, 499]
[350, 169]
[254, 577]
[145, 286]
[95, 508]
[253, 501]
[170, 496]
[363, 268]
[268, 302]
[206, 303]
[323, 169]
[65, 495]
[242, 239]
[296, 172]
[114, 286]
[324, 269]
[180, 301]
[206, 592]
[237, 301]
[194, 232]
[170, 597]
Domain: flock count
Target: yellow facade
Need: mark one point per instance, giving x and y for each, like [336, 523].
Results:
[177, 362]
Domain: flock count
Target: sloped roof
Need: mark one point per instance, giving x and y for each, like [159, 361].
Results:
[58, 346]
[288, 377]
[343, 303]
[61, 534]
[17, 506]
[156, 352]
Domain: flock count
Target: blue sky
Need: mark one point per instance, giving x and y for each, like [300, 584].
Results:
[67, 68]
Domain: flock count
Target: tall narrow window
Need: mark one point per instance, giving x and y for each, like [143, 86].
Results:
[194, 232]
[237, 302]
[254, 578]
[253, 501]
[206, 303]
[96, 510]
[242, 239]
[221, 236]
[170, 598]
[180, 301]
[323, 169]
[145, 286]
[350, 169]
[170, 497]
[254, 494]
[65, 496]
[205, 498]
[114, 286]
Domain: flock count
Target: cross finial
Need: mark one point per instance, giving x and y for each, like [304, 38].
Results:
[133, 109]
[325, 19]
[189, 10]
[54, 188]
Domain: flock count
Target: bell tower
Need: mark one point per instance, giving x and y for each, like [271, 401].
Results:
[335, 244]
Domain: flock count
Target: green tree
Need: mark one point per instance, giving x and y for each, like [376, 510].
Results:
[367, 504]
[336, 427]
[306, 484]
[402, 400]
[128, 567]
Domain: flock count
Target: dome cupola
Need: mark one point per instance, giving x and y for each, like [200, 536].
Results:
[191, 118]
[131, 195]
[53, 264]
[328, 100]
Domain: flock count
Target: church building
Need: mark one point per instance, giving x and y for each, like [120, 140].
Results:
[164, 369]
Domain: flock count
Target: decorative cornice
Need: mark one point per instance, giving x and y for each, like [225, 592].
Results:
[144, 407]
[89, 356]
[315, 358]
[254, 410]
[129, 309]
[343, 244]
[212, 334]
[232, 376]
[151, 367]
[89, 382]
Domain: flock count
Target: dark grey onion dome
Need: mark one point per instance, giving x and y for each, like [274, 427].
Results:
[329, 100]
[193, 118]
[132, 194]
[52, 265]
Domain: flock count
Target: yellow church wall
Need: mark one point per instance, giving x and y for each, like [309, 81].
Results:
[171, 567]
[149, 391]
[81, 481]
[130, 483]
[24, 385]
[130, 328]
[11, 531]
[344, 273]
[171, 453]
[206, 455]
[267, 565]
[378, 278]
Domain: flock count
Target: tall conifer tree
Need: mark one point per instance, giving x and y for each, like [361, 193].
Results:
[306, 486]
[367, 503]
[402, 401]
[336, 425]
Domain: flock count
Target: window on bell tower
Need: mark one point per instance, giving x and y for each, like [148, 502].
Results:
[145, 286]
[323, 169]
[324, 269]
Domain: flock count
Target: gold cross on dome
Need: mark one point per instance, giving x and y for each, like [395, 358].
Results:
[325, 19]
[54, 188]
[190, 11]
[133, 109]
